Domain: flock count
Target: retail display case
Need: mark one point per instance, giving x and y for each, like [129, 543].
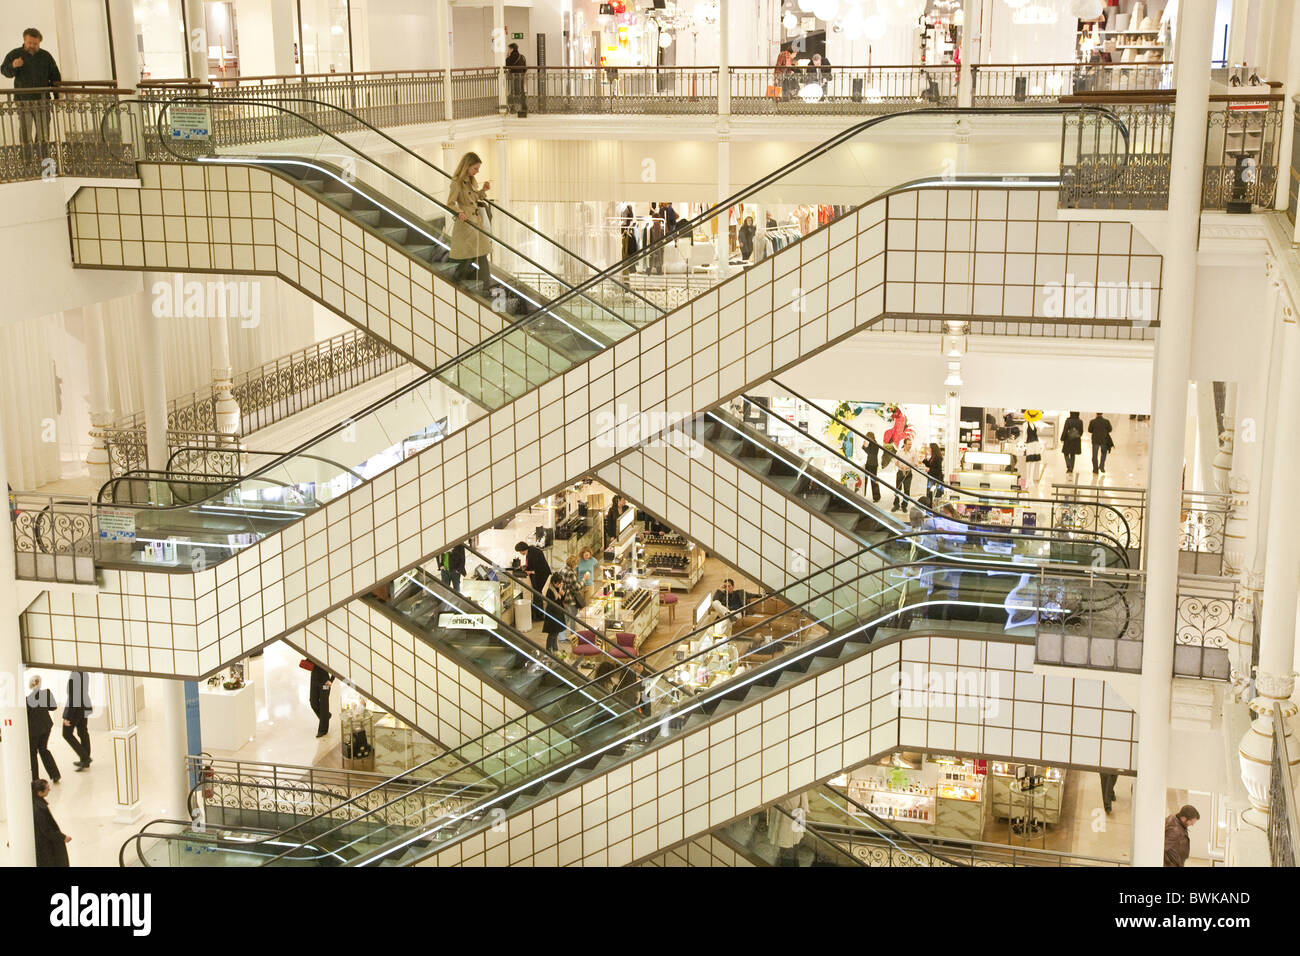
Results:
[679, 563]
[357, 726]
[942, 797]
[1004, 804]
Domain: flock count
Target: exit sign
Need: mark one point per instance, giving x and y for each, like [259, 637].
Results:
[516, 36]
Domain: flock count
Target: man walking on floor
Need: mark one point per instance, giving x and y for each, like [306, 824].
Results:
[1100, 428]
[75, 712]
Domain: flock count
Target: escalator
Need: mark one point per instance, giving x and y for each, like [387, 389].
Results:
[545, 428]
[829, 620]
[840, 491]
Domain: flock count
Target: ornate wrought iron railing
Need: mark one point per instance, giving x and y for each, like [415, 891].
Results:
[1100, 508]
[54, 537]
[78, 132]
[1204, 519]
[265, 395]
[616, 90]
[1205, 609]
[1011, 84]
[837, 90]
[1243, 138]
[1283, 815]
[252, 793]
[1093, 621]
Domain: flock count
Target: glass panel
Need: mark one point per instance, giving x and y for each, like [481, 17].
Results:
[325, 42]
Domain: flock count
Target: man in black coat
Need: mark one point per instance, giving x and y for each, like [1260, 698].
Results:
[1099, 428]
[51, 842]
[451, 565]
[75, 712]
[39, 724]
[319, 697]
[516, 70]
[32, 68]
[534, 561]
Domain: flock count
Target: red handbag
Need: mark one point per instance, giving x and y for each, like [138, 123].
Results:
[306, 665]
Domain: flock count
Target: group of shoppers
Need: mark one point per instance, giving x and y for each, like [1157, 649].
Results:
[1099, 430]
[790, 77]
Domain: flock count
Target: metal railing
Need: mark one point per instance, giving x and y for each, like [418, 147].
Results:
[1205, 608]
[270, 393]
[615, 90]
[1202, 523]
[1010, 84]
[57, 132]
[54, 537]
[1098, 508]
[475, 92]
[1283, 816]
[1093, 621]
[1243, 136]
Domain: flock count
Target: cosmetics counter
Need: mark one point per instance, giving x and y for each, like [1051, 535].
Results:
[677, 562]
[943, 797]
[624, 607]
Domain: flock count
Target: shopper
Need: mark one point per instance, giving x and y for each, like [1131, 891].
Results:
[1071, 440]
[553, 597]
[32, 68]
[470, 242]
[533, 561]
[40, 701]
[820, 72]
[1099, 428]
[587, 566]
[787, 821]
[569, 578]
[1178, 845]
[1108, 789]
[934, 468]
[451, 565]
[75, 711]
[785, 74]
[655, 265]
[745, 236]
[611, 519]
[727, 598]
[671, 220]
[51, 842]
[319, 697]
[904, 464]
[516, 71]
[872, 465]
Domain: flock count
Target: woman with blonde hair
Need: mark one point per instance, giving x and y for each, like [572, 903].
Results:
[469, 241]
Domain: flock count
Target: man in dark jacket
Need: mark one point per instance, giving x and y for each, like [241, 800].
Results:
[516, 70]
[51, 842]
[75, 712]
[451, 565]
[1099, 428]
[1178, 845]
[319, 697]
[612, 515]
[39, 724]
[32, 68]
[534, 562]
[1071, 440]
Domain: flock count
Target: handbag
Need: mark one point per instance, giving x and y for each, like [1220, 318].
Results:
[773, 91]
[306, 665]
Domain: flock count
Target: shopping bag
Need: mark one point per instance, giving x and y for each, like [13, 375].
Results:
[773, 91]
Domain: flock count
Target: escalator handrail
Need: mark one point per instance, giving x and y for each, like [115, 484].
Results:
[848, 498]
[811, 830]
[496, 207]
[276, 454]
[165, 142]
[993, 494]
[143, 833]
[722, 207]
[886, 825]
[144, 474]
[996, 567]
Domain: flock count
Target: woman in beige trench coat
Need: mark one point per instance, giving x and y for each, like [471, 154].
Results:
[469, 239]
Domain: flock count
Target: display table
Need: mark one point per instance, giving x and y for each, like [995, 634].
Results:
[1005, 805]
[228, 717]
[636, 612]
[495, 597]
[987, 480]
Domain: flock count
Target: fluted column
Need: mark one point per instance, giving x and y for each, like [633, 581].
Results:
[225, 408]
[724, 190]
[123, 734]
[101, 415]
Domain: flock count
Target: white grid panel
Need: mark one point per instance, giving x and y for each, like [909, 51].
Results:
[405, 675]
[188, 624]
[237, 219]
[731, 513]
[708, 850]
[797, 736]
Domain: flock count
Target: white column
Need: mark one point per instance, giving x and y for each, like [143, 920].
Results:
[126, 56]
[952, 432]
[501, 175]
[970, 29]
[1207, 436]
[499, 41]
[226, 408]
[101, 416]
[154, 382]
[13, 707]
[171, 761]
[1221, 466]
[284, 25]
[122, 736]
[444, 59]
[449, 157]
[196, 43]
[1169, 412]
[724, 190]
[724, 59]
[1237, 32]
[1292, 81]
[66, 53]
[1275, 676]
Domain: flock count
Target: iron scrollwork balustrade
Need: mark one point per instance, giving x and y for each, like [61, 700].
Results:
[1201, 529]
[1205, 609]
[53, 537]
[1092, 621]
[80, 133]
[1283, 815]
